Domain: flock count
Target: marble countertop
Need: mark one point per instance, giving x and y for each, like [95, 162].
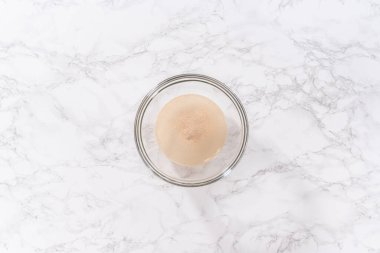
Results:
[72, 74]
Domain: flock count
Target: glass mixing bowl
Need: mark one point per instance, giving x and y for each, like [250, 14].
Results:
[228, 156]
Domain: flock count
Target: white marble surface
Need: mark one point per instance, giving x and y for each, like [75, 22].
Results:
[72, 74]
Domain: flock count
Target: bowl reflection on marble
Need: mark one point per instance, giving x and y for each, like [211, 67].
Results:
[228, 156]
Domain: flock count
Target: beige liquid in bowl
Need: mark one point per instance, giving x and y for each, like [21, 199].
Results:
[191, 129]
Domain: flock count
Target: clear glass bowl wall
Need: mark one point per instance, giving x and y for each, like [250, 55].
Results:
[223, 162]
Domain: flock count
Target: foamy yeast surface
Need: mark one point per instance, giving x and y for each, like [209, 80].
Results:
[191, 129]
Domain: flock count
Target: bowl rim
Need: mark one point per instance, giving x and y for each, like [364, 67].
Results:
[176, 80]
